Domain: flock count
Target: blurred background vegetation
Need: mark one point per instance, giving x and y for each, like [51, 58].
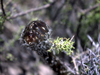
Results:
[64, 17]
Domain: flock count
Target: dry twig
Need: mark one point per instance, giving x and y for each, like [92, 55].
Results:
[90, 9]
[2, 7]
[30, 10]
[7, 3]
[74, 62]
